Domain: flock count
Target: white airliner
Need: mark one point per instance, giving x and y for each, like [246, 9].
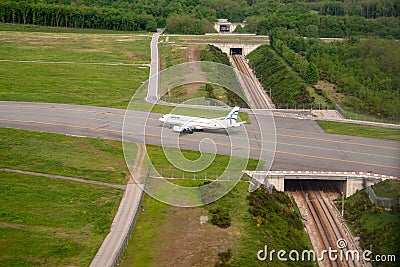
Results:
[190, 124]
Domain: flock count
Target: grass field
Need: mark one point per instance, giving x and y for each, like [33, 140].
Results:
[171, 55]
[48, 222]
[75, 47]
[220, 162]
[68, 67]
[389, 189]
[52, 222]
[110, 86]
[86, 158]
[352, 115]
[360, 130]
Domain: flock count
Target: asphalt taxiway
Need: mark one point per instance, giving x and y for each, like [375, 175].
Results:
[300, 144]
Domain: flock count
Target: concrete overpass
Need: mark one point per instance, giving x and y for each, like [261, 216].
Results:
[349, 182]
[237, 48]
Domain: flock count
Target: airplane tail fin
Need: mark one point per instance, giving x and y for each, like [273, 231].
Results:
[232, 116]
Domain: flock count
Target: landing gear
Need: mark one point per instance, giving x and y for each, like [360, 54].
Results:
[190, 131]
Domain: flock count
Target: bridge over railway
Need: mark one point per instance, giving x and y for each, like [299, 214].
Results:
[346, 182]
[237, 48]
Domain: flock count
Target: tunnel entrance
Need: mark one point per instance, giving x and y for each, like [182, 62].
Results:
[224, 28]
[236, 51]
[333, 186]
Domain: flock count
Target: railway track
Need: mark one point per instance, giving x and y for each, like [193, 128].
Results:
[325, 228]
[257, 97]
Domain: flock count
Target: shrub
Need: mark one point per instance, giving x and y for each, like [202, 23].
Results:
[220, 217]
[224, 259]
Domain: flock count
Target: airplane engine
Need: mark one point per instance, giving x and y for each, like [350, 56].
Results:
[178, 129]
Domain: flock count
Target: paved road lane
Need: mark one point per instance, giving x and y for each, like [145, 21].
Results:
[301, 144]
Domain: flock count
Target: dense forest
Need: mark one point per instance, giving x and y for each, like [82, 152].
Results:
[364, 71]
[310, 18]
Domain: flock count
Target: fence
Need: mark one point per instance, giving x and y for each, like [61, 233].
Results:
[341, 111]
[199, 176]
[385, 202]
[210, 102]
[199, 101]
[363, 117]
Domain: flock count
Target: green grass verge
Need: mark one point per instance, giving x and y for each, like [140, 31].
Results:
[170, 55]
[352, 115]
[87, 158]
[75, 47]
[49, 222]
[70, 83]
[389, 189]
[360, 130]
[377, 228]
[179, 94]
[110, 86]
[214, 170]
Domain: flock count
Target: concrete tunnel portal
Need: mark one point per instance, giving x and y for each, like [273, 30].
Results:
[346, 182]
[236, 51]
[338, 185]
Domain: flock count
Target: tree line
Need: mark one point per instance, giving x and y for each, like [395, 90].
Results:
[369, 9]
[310, 18]
[56, 15]
[186, 24]
[315, 25]
[365, 71]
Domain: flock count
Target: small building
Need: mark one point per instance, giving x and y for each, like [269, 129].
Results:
[224, 26]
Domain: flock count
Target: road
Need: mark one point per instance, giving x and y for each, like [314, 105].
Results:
[153, 89]
[301, 144]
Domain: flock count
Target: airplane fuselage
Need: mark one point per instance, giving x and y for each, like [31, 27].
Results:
[189, 124]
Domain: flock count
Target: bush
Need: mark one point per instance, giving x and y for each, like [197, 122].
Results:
[287, 86]
[224, 259]
[220, 217]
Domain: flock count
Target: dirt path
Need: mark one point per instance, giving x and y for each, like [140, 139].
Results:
[137, 166]
[79, 180]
